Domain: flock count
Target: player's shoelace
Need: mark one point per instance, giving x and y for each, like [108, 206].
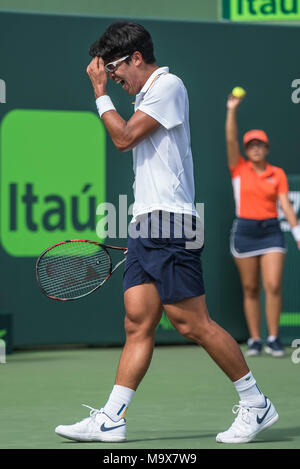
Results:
[93, 412]
[242, 420]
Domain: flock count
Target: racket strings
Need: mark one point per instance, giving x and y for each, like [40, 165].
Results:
[73, 269]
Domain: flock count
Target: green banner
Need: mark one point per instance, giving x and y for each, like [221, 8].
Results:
[290, 319]
[261, 10]
[52, 176]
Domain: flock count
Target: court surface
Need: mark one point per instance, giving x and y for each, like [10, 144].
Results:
[183, 402]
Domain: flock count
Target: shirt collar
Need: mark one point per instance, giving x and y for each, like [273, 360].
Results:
[267, 172]
[152, 77]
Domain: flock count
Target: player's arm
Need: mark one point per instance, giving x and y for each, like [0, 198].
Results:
[125, 135]
[231, 131]
[291, 216]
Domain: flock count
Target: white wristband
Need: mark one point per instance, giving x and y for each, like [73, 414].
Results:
[104, 104]
[296, 232]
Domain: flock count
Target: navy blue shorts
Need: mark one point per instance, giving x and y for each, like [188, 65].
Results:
[176, 271]
[256, 237]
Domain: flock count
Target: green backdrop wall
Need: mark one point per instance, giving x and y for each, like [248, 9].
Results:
[169, 9]
[43, 61]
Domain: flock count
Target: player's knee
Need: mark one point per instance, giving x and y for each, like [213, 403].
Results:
[194, 332]
[137, 324]
[251, 291]
[183, 328]
[273, 288]
[132, 326]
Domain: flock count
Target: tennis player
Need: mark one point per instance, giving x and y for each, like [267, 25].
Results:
[257, 242]
[160, 272]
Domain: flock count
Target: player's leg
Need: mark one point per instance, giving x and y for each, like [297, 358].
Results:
[143, 312]
[249, 274]
[249, 270]
[191, 318]
[255, 411]
[272, 269]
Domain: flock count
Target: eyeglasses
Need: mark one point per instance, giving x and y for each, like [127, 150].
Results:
[256, 143]
[111, 66]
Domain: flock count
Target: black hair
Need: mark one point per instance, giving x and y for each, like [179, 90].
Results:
[123, 38]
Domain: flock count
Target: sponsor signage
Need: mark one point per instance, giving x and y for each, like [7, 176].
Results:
[261, 10]
[52, 177]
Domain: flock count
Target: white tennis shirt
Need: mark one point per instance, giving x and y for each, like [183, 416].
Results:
[162, 162]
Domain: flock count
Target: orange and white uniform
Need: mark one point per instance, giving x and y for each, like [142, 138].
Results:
[256, 230]
[255, 194]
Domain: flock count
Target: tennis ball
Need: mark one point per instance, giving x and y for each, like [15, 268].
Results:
[238, 92]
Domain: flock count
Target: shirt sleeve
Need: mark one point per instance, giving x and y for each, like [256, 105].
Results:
[165, 101]
[235, 170]
[283, 185]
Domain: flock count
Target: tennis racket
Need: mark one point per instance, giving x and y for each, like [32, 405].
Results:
[75, 268]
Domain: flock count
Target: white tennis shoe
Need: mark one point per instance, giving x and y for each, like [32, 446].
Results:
[249, 422]
[97, 427]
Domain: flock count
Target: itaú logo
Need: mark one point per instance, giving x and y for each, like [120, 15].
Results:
[52, 178]
[55, 211]
[2, 91]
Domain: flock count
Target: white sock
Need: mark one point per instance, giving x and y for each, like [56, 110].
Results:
[118, 402]
[253, 339]
[248, 391]
[271, 338]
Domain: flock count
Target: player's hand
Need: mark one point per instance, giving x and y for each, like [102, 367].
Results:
[233, 102]
[298, 244]
[98, 77]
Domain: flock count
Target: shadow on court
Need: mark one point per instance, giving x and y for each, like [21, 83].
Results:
[169, 438]
[278, 435]
[270, 436]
